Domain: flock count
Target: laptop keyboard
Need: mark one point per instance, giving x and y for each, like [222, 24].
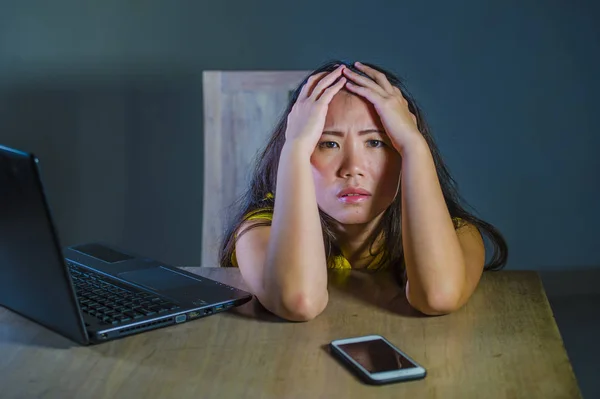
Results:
[112, 304]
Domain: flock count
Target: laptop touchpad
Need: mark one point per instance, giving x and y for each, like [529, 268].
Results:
[159, 278]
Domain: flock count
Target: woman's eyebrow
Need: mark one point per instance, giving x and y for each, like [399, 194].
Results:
[362, 132]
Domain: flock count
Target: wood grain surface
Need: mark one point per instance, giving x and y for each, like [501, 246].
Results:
[503, 344]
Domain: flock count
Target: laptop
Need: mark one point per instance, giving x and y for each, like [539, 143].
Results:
[93, 292]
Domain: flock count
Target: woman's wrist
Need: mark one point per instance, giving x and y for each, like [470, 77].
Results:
[417, 146]
[297, 147]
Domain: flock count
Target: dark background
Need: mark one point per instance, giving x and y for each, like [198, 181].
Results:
[109, 96]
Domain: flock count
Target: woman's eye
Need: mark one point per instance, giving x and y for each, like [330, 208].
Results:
[328, 144]
[375, 143]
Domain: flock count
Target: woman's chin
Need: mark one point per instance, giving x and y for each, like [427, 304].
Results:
[362, 213]
[353, 217]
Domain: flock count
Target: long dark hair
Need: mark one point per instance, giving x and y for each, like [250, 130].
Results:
[264, 179]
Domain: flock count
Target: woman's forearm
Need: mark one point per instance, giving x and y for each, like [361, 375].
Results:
[296, 268]
[435, 264]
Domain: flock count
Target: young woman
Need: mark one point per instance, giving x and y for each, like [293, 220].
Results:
[352, 179]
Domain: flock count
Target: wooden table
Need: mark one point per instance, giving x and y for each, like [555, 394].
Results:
[503, 344]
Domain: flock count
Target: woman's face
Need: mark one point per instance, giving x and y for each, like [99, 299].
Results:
[355, 167]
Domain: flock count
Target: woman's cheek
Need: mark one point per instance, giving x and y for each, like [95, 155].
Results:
[387, 174]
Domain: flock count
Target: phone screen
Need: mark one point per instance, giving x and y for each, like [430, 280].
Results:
[376, 356]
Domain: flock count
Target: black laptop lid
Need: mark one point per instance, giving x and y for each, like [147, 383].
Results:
[33, 279]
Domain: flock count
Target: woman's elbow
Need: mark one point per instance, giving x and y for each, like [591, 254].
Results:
[301, 307]
[435, 306]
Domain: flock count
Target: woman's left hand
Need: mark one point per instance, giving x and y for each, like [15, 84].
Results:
[391, 106]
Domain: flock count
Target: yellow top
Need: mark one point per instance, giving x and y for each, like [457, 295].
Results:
[335, 262]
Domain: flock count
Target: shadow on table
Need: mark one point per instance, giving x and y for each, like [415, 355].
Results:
[255, 311]
[378, 289]
[375, 290]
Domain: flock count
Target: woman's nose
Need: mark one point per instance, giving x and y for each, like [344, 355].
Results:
[352, 163]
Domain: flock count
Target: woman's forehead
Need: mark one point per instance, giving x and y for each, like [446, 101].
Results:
[348, 109]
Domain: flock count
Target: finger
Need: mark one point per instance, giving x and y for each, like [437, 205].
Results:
[326, 82]
[379, 77]
[399, 93]
[405, 101]
[366, 82]
[308, 86]
[365, 92]
[331, 91]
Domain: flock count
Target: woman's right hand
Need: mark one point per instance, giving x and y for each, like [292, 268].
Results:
[306, 120]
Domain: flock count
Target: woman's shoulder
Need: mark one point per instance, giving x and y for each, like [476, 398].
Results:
[259, 216]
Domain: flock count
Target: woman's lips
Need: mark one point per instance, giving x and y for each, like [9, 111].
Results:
[353, 195]
[353, 198]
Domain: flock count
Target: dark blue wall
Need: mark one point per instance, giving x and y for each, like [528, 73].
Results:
[110, 97]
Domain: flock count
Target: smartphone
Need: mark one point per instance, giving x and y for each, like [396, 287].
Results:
[376, 360]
